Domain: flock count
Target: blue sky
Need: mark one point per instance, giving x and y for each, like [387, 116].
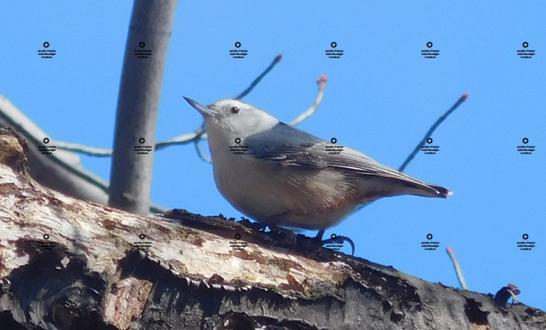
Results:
[381, 98]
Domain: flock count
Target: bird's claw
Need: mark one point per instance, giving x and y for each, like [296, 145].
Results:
[340, 240]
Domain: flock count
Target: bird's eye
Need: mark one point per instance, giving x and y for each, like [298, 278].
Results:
[235, 110]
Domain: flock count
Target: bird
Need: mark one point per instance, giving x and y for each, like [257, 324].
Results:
[282, 176]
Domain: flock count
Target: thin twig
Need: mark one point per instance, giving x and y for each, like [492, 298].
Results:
[75, 147]
[322, 85]
[198, 134]
[201, 153]
[431, 130]
[257, 80]
[458, 269]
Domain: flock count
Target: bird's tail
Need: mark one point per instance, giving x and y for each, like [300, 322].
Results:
[442, 192]
[419, 188]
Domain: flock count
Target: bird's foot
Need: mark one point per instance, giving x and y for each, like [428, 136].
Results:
[335, 239]
[275, 232]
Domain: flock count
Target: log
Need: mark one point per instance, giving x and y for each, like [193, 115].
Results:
[72, 264]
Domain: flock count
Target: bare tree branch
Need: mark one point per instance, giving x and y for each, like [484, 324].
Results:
[257, 80]
[61, 170]
[80, 148]
[457, 266]
[138, 104]
[322, 86]
[463, 98]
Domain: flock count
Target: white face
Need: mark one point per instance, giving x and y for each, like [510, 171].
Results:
[233, 118]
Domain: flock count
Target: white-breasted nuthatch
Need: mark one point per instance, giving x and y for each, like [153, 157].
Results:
[280, 175]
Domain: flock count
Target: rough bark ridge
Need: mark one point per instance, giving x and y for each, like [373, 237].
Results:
[70, 264]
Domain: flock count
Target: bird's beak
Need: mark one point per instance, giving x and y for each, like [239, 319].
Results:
[205, 111]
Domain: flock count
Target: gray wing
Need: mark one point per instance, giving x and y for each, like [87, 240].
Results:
[289, 146]
[286, 145]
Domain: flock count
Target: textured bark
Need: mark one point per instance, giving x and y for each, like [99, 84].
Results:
[70, 264]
